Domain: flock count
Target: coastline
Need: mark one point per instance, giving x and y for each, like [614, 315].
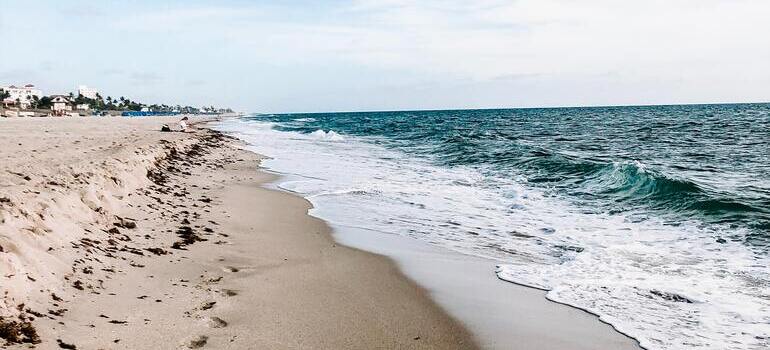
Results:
[251, 268]
[500, 314]
[180, 238]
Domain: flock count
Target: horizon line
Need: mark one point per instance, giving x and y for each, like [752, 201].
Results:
[511, 108]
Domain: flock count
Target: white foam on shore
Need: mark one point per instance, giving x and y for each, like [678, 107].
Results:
[670, 287]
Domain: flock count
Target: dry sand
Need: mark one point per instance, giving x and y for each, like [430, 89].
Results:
[117, 236]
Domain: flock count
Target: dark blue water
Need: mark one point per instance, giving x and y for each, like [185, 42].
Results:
[709, 163]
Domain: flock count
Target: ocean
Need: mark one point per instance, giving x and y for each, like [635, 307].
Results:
[655, 218]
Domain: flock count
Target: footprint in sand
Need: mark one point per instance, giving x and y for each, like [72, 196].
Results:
[208, 305]
[216, 322]
[198, 342]
[228, 292]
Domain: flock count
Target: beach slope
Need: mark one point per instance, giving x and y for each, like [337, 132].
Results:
[115, 235]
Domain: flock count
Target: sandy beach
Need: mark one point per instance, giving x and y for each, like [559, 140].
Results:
[114, 235]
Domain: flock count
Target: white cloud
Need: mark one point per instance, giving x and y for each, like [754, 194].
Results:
[487, 39]
[562, 52]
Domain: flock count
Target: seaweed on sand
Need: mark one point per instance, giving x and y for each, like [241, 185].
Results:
[17, 331]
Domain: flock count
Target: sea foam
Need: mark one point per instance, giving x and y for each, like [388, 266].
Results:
[668, 286]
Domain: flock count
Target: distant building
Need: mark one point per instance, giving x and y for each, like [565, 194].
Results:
[88, 92]
[21, 97]
[60, 104]
[7, 102]
[83, 107]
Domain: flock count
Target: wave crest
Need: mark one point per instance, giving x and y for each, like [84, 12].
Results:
[326, 135]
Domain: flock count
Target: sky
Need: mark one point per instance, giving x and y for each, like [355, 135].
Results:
[359, 55]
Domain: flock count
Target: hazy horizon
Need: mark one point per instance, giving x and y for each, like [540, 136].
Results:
[300, 56]
[509, 108]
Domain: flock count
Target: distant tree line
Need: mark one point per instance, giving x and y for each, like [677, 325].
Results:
[99, 103]
[126, 104]
[117, 104]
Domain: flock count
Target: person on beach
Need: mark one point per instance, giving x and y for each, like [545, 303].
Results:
[183, 124]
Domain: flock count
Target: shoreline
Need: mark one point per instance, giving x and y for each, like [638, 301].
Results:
[499, 313]
[192, 254]
[512, 313]
[182, 237]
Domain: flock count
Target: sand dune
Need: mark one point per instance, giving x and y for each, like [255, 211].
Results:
[63, 183]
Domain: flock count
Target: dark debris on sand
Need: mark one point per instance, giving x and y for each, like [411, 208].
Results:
[188, 236]
[122, 240]
[18, 331]
[64, 345]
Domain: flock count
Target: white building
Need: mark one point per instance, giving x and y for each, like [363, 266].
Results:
[60, 104]
[87, 92]
[23, 96]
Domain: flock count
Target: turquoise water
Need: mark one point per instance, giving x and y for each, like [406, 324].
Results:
[707, 162]
[655, 218]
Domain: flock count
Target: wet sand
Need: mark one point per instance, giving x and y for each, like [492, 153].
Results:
[501, 315]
